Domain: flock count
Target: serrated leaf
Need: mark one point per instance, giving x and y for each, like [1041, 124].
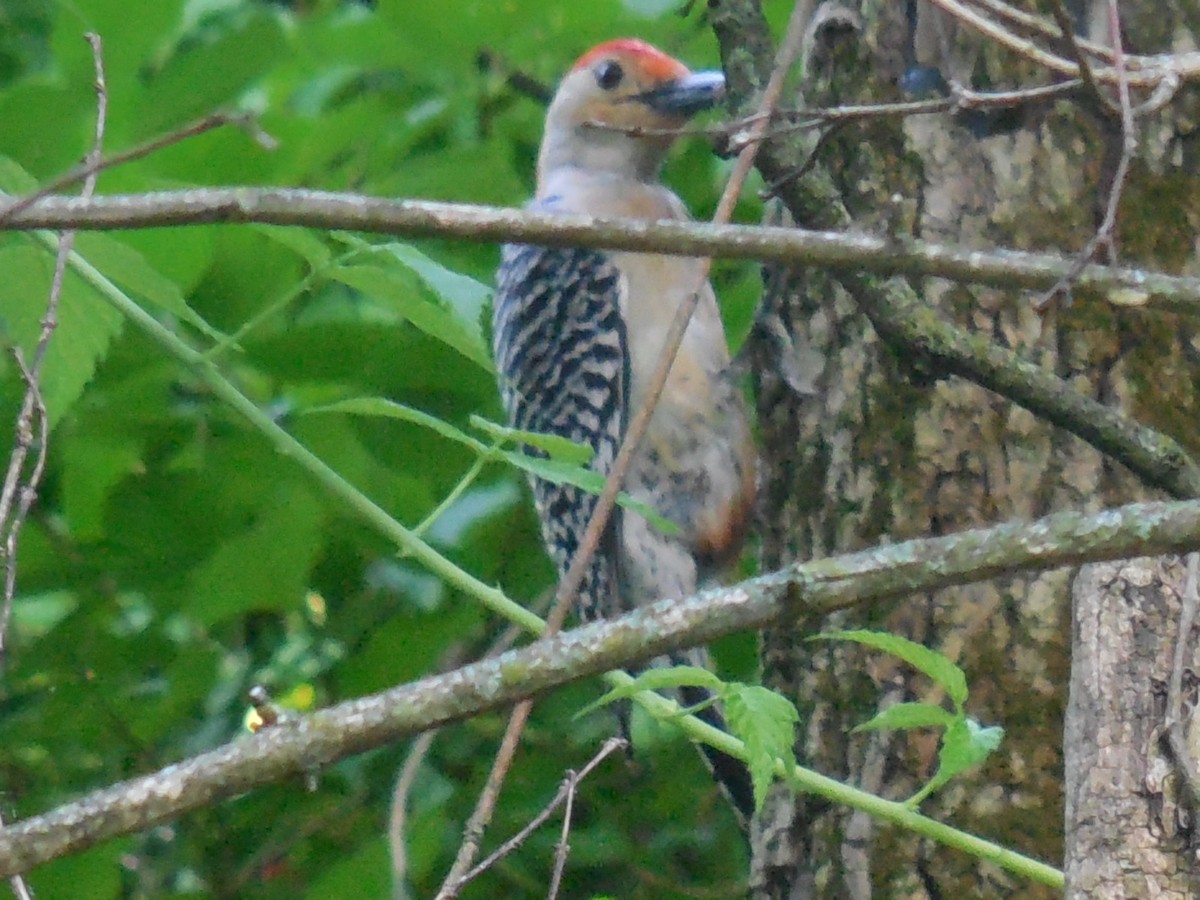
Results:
[558, 472]
[555, 446]
[910, 715]
[658, 679]
[766, 723]
[466, 295]
[941, 670]
[301, 241]
[87, 323]
[390, 409]
[398, 289]
[132, 272]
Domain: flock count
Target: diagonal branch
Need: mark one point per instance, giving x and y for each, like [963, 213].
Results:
[882, 574]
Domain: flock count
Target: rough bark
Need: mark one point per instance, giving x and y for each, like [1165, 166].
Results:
[1132, 834]
[865, 441]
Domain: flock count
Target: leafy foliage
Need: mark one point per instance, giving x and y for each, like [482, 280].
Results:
[763, 720]
[965, 743]
[174, 559]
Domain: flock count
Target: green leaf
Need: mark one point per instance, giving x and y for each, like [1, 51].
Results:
[266, 565]
[468, 297]
[130, 271]
[910, 715]
[941, 670]
[965, 744]
[35, 615]
[301, 241]
[396, 288]
[766, 723]
[86, 324]
[556, 447]
[381, 406]
[93, 464]
[585, 479]
[658, 679]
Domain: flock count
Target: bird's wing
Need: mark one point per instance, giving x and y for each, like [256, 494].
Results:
[562, 357]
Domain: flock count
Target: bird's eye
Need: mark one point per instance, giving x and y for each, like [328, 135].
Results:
[609, 74]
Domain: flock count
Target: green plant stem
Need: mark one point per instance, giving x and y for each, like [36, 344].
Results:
[286, 445]
[811, 782]
[409, 541]
[279, 304]
[451, 498]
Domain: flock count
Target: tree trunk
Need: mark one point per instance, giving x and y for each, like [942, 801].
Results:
[866, 441]
[1126, 800]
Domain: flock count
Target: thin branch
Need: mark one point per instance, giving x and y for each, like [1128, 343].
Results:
[1147, 71]
[453, 658]
[96, 164]
[565, 790]
[1063, 20]
[1155, 458]
[1004, 268]
[32, 428]
[589, 543]
[16, 498]
[563, 849]
[1105, 236]
[485, 807]
[1107, 230]
[737, 133]
[1036, 25]
[880, 575]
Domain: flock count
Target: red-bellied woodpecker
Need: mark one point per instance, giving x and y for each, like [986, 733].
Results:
[578, 335]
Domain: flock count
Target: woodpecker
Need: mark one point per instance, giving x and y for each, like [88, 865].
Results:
[578, 334]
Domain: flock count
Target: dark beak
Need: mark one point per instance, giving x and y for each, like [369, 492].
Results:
[689, 95]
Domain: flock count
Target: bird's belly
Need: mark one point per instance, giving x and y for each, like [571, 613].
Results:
[696, 467]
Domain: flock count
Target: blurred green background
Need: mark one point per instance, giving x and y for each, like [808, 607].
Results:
[174, 559]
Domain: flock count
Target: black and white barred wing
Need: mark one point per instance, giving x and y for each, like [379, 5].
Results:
[561, 354]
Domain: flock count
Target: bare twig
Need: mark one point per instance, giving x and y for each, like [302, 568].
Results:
[786, 121]
[563, 848]
[1063, 19]
[1105, 236]
[481, 816]
[32, 428]
[420, 748]
[566, 791]
[568, 588]
[1178, 720]
[96, 164]
[1106, 232]
[1039, 27]
[1142, 71]
[398, 820]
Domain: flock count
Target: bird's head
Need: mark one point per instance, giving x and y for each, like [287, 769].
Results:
[617, 108]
